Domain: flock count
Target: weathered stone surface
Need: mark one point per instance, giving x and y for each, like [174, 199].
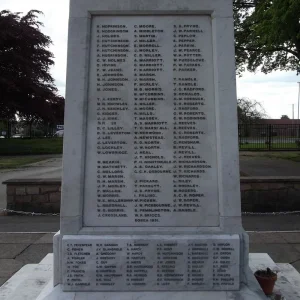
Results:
[10, 199]
[10, 190]
[23, 199]
[259, 186]
[32, 190]
[11, 206]
[20, 191]
[50, 188]
[297, 186]
[55, 197]
[40, 198]
[245, 187]
[51, 207]
[27, 283]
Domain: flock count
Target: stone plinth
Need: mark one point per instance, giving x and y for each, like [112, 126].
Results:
[150, 196]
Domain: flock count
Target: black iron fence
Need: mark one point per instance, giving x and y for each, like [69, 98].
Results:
[252, 137]
[15, 129]
[265, 137]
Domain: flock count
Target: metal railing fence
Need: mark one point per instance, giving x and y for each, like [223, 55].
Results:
[266, 137]
[252, 137]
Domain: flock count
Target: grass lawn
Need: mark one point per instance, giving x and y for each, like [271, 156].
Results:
[274, 146]
[288, 155]
[31, 146]
[285, 155]
[11, 162]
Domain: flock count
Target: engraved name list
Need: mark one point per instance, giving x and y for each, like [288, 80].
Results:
[151, 144]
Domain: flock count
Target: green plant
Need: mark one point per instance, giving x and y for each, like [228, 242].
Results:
[266, 279]
[265, 273]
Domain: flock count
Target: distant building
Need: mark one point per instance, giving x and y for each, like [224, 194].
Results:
[271, 127]
[279, 121]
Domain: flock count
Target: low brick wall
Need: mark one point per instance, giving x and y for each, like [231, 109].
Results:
[270, 194]
[259, 194]
[34, 195]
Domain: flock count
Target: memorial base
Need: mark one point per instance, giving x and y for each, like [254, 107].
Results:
[35, 282]
[246, 293]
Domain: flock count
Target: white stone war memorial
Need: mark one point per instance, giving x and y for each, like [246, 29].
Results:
[150, 202]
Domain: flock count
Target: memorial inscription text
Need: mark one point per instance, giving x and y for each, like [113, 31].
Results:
[203, 263]
[151, 135]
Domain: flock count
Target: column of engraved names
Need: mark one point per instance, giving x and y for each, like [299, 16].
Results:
[108, 273]
[148, 127]
[198, 260]
[223, 260]
[139, 265]
[78, 256]
[113, 46]
[189, 101]
[171, 266]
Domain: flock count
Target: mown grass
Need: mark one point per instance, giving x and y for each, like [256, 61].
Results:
[13, 162]
[274, 146]
[288, 155]
[31, 146]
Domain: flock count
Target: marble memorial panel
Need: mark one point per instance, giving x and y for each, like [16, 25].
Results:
[123, 263]
[151, 154]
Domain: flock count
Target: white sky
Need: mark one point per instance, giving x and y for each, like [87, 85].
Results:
[276, 91]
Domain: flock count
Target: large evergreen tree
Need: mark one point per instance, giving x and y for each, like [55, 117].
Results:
[26, 87]
[267, 35]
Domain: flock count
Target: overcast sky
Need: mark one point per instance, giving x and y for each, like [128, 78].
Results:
[277, 91]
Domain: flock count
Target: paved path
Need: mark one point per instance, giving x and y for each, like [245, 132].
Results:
[29, 224]
[49, 168]
[271, 223]
[263, 166]
[19, 249]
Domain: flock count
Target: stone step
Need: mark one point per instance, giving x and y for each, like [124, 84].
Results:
[31, 281]
[28, 283]
[12, 284]
[288, 282]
